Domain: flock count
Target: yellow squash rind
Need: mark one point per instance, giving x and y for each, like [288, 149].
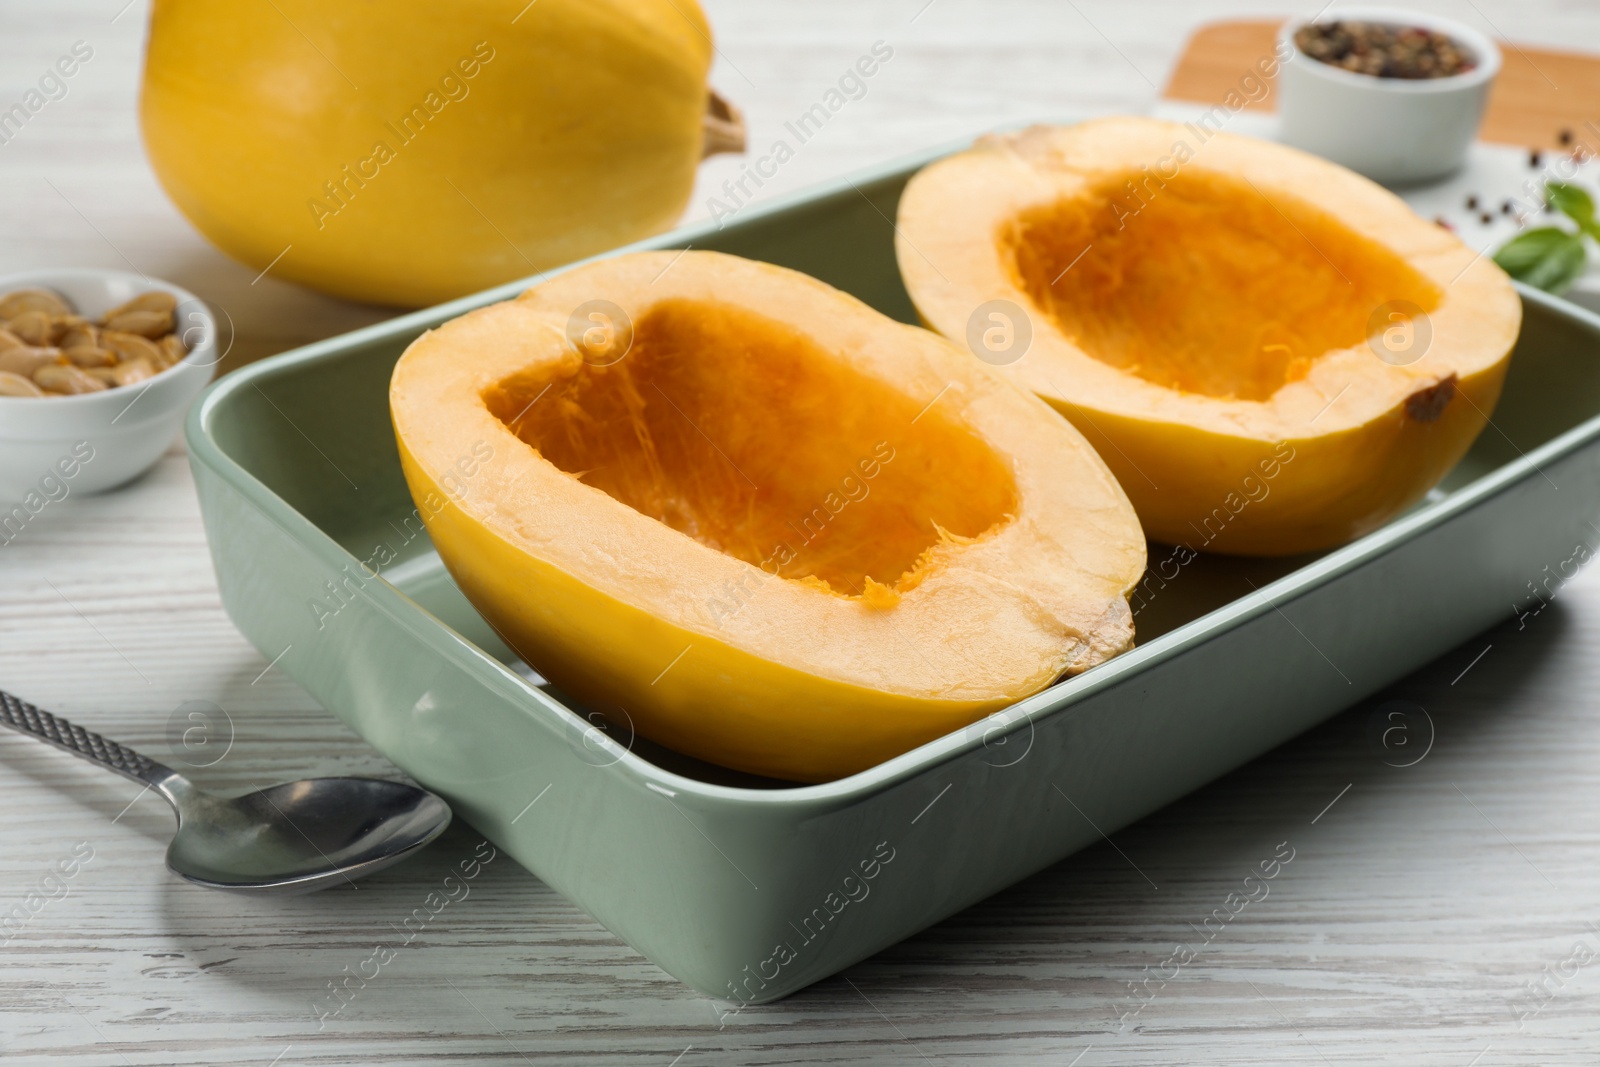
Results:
[409, 154]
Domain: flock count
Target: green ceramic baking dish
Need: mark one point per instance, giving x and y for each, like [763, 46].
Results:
[749, 889]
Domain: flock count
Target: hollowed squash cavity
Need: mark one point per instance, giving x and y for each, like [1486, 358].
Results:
[1203, 283]
[744, 434]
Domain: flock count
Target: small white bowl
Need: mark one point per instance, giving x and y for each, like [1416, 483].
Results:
[56, 445]
[1393, 130]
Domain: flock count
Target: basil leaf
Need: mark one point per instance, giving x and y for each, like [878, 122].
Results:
[1547, 258]
[1562, 269]
[1526, 250]
[1571, 201]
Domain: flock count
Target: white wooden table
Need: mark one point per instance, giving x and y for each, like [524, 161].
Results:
[1419, 908]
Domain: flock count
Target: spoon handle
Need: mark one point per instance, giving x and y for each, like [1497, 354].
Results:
[54, 730]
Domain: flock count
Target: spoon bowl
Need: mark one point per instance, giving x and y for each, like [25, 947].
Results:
[302, 836]
[291, 838]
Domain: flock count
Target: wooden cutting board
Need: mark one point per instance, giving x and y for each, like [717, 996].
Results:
[1538, 94]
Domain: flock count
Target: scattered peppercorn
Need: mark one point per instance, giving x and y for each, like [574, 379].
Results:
[1384, 50]
[1565, 137]
[1486, 218]
[1472, 203]
[1508, 208]
[1535, 157]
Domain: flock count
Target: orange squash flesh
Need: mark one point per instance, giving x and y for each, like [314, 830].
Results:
[1210, 309]
[1211, 289]
[782, 532]
[682, 431]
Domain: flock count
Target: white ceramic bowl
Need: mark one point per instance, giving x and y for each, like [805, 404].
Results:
[56, 445]
[1394, 130]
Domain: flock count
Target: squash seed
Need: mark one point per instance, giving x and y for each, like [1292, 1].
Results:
[19, 301]
[134, 370]
[151, 324]
[152, 301]
[65, 378]
[80, 335]
[91, 356]
[25, 359]
[173, 349]
[34, 327]
[130, 346]
[16, 385]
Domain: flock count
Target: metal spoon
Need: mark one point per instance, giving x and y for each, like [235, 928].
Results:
[292, 838]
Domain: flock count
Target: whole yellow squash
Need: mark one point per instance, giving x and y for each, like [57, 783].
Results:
[407, 153]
